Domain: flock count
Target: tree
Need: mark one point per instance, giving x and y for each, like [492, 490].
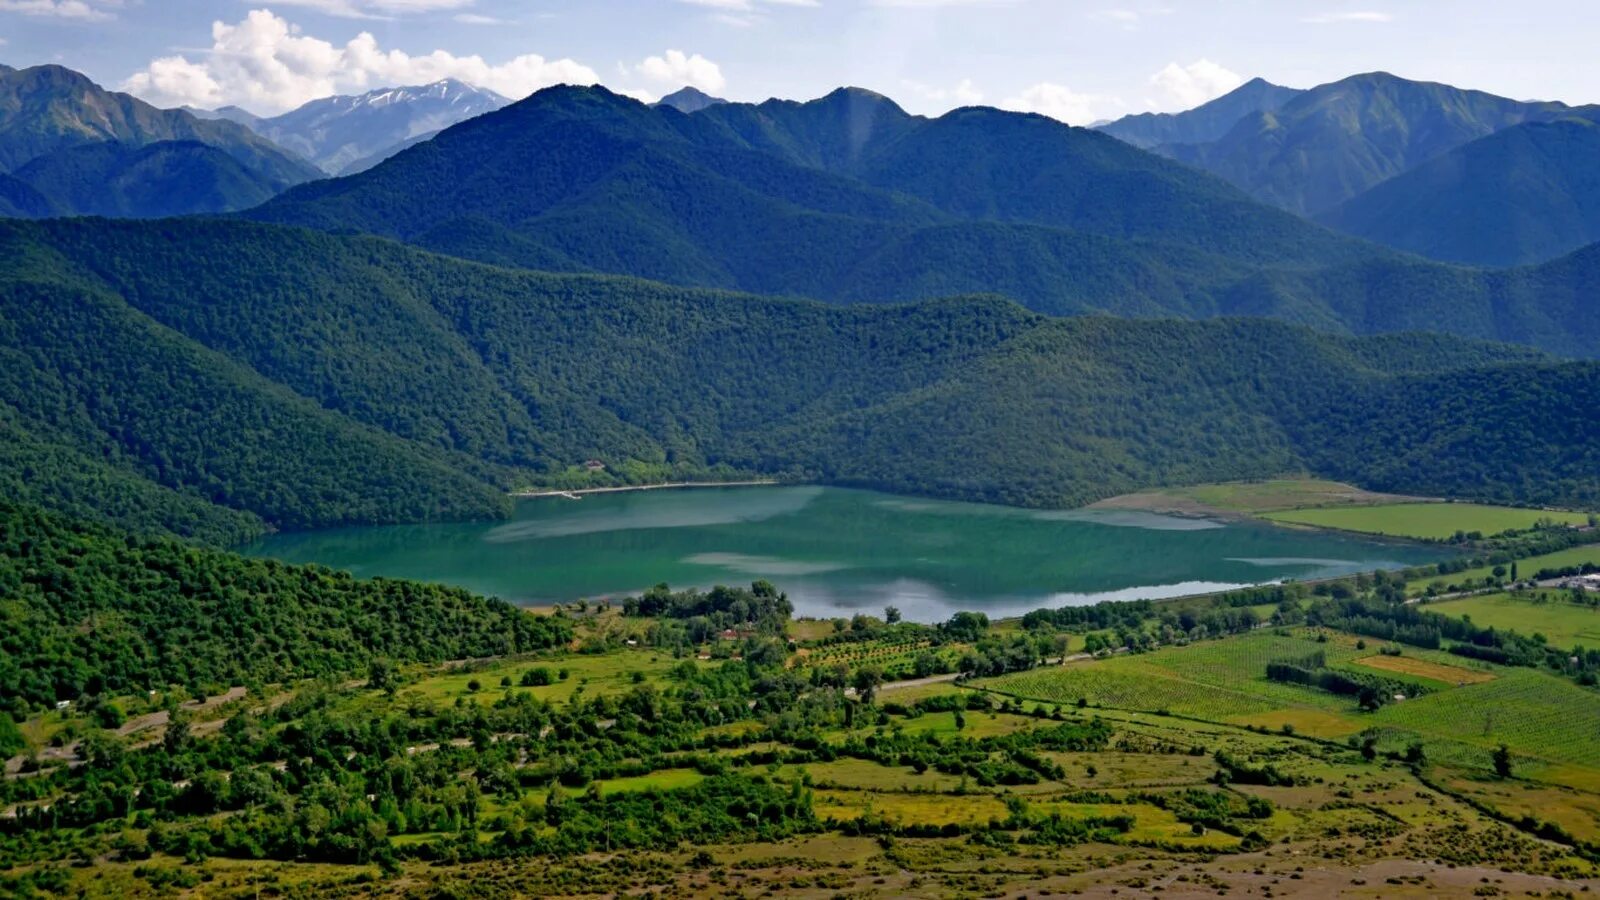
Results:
[891, 614]
[1502, 761]
[381, 675]
[866, 682]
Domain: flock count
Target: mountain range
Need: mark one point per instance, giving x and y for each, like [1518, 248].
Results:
[172, 376]
[689, 100]
[1332, 142]
[985, 305]
[1518, 196]
[1205, 123]
[850, 199]
[86, 150]
[350, 133]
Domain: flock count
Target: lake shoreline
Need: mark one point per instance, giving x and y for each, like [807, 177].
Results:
[575, 493]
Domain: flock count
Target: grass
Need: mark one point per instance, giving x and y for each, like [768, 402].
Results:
[1538, 715]
[909, 809]
[1565, 624]
[659, 780]
[1219, 680]
[1577, 812]
[1526, 568]
[609, 673]
[1251, 497]
[861, 774]
[1409, 665]
[978, 724]
[1425, 520]
[1535, 714]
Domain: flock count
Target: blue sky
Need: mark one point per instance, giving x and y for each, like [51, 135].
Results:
[1079, 61]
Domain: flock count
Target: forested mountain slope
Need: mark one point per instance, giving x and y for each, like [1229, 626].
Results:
[49, 108]
[1520, 196]
[849, 199]
[1205, 123]
[1336, 140]
[220, 374]
[170, 178]
[91, 611]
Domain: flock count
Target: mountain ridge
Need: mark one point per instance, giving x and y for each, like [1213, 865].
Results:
[1204, 123]
[850, 199]
[421, 387]
[1335, 140]
[1520, 196]
[339, 131]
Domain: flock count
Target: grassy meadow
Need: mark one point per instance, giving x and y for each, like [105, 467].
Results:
[1430, 521]
[1550, 613]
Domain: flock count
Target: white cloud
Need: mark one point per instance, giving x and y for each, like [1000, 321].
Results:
[1335, 18]
[477, 19]
[376, 9]
[937, 4]
[744, 13]
[676, 69]
[964, 93]
[265, 64]
[1185, 87]
[60, 9]
[1129, 18]
[1061, 102]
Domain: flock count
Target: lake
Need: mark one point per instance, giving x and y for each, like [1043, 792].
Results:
[835, 551]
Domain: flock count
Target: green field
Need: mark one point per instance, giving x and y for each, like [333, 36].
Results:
[1425, 520]
[1565, 624]
[1539, 715]
[1216, 680]
[1535, 714]
[1526, 568]
[610, 673]
[1250, 496]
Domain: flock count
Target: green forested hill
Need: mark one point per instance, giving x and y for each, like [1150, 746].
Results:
[21, 200]
[1336, 140]
[1520, 196]
[218, 373]
[168, 178]
[92, 611]
[848, 198]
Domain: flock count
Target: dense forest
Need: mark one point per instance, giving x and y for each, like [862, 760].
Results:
[172, 376]
[90, 611]
[850, 199]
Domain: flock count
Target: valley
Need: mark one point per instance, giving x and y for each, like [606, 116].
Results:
[875, 466]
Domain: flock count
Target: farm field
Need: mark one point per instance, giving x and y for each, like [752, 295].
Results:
[1251, 497]
[1526, 568]
[587, 675]
[1341, 814]
[1538, 715]
[1424, 520]
[1439, 673]
[1563, 623]
[1218, 680]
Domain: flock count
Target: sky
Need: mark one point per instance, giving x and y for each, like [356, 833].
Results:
[1077, 60]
